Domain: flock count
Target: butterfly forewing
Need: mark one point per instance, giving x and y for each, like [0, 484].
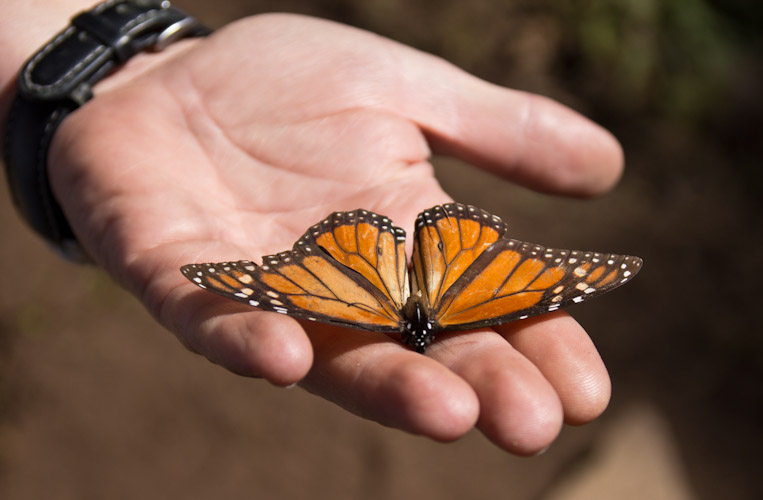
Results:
[449, 238]
[514, 279]
[349, 270]
[370, 245]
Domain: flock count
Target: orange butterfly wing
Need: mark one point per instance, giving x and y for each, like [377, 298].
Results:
[448, 239]
[475, 284]
[368, 244]
[347, 270]
[350, 270]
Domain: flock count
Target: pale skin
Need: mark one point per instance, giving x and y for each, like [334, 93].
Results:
[230, 147]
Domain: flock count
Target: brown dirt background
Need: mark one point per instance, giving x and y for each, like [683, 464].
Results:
[97, 401]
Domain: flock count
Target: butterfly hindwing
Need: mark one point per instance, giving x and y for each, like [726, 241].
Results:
[348, 270]
[514, 280]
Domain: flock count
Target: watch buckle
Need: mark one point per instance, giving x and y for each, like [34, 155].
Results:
[175, 31]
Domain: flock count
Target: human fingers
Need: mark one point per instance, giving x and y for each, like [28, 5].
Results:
[564, 353]
[245, 341]
[375, 377]
[520, 410]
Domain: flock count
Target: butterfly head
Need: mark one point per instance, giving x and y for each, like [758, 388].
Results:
[418, 330]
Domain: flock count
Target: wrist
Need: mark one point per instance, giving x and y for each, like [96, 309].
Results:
[59, 78]
[24, 28]
[141, 63]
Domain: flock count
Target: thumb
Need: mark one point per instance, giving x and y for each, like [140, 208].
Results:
[526, 138]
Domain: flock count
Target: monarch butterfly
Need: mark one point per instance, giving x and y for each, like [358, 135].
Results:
[351, 270]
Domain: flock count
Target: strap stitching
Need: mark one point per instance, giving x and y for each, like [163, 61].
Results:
[74, 71]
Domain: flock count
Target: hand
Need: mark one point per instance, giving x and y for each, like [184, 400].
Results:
[230, 147]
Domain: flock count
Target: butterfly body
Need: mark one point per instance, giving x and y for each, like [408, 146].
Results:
[351, 270]
[417, 328]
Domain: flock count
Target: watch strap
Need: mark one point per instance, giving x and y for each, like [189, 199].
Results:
[58, 79]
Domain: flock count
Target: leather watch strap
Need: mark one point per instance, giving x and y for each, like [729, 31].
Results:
[58, 79]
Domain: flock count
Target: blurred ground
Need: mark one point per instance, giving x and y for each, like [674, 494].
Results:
[97, 401]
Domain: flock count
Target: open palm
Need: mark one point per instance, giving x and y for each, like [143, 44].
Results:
[229, 147]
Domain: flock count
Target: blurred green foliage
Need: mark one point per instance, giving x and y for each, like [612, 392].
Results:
[675, 58]
[670, 59]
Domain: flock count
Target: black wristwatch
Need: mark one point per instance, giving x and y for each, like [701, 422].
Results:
[58, 79]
